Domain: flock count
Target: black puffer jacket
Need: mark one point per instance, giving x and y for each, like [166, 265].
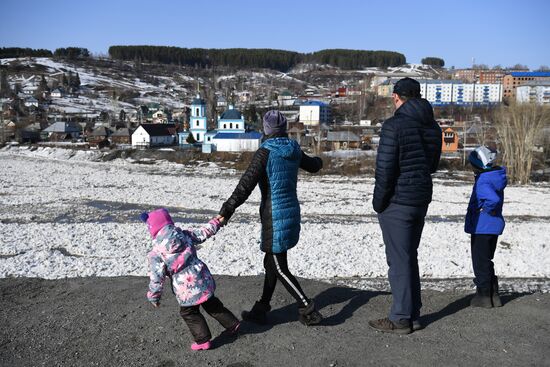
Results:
[409, 152]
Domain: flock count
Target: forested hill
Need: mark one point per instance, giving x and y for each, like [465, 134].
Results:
[256, 58]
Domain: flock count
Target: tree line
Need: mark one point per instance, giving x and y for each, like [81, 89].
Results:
[433, 61]
[254, 58]
[12, 52]
[63, 52]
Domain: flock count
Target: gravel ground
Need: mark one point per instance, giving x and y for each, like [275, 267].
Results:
[107, 322]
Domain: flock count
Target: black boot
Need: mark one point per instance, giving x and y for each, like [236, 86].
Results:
[482, 298]
[309, 315]
[494, 293]
[258, 313]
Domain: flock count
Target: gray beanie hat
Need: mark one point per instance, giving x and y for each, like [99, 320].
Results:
[274, 123]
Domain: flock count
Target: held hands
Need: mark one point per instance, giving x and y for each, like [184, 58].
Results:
[222, 220]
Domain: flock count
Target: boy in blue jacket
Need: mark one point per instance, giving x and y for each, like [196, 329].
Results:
[484, 222]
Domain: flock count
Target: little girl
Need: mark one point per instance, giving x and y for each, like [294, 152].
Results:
[174, 256]
[484, 222]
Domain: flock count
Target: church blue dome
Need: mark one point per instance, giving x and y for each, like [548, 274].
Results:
[198, 101]
[231, 114]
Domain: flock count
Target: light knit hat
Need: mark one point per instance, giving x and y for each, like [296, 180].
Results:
[483, 157]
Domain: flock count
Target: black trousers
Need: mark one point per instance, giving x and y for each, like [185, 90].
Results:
[197, 324]
[276, 267]
[402, 227]
[483, 251]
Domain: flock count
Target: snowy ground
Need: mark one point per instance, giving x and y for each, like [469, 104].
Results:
[63, 213]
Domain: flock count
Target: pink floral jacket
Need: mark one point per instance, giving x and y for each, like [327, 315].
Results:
[174, 256]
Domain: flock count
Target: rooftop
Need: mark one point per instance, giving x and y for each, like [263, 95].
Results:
[159, 129]
[342, 136]
[231, 114]
[533, 74]
[249, 135]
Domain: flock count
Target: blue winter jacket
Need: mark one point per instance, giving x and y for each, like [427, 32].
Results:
[275, 168]
[484, 214]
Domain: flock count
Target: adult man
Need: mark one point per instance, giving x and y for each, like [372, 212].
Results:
[409, 152]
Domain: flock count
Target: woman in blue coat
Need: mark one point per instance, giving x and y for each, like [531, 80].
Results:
[274, 168]
[484, 222]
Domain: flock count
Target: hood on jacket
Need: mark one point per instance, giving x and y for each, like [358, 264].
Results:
[283, 147]
[156, 220]
[496, 176]
[418, 109]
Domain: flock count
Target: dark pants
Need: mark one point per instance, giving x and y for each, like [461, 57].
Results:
[483, 251]
[276, 267]
[197, 324]
[402, 228]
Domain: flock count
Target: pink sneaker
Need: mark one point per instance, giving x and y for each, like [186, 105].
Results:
[203, 346]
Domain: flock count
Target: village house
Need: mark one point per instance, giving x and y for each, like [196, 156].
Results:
[57, 93]
[221, 102]
[285, 99]
[159, 117]
[62, 131]
[154, 135]
[31, 101]
[99, 137]
[337, 140]
[122, 136]
[450, 140]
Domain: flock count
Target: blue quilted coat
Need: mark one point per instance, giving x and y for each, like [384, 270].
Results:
[282, 176]
[484, 214]
[274, 168]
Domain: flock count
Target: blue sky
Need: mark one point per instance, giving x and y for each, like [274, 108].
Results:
[493, 31]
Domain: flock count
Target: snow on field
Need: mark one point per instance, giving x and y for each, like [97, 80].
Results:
[65, 214]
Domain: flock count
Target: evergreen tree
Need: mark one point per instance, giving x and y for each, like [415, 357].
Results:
[190, 139]
[5, 90]
[43, 87]
[433, 61]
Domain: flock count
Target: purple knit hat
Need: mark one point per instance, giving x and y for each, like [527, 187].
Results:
[156, 220]
[274, 123]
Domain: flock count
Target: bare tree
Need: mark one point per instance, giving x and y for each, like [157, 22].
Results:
[519, 126]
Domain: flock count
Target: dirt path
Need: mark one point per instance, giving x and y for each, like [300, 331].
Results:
[107, 322]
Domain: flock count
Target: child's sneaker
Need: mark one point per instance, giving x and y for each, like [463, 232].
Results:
[203, 346]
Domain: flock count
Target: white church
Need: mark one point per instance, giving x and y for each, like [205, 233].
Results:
[230, 135]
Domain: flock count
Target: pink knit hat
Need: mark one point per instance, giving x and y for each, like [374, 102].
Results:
[156, 220]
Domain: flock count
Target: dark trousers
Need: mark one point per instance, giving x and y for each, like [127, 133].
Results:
[197, 324]
[402, 228]
[276, 267]
[483, 251]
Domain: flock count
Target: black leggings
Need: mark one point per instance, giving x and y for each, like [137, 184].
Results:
[276, 267]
